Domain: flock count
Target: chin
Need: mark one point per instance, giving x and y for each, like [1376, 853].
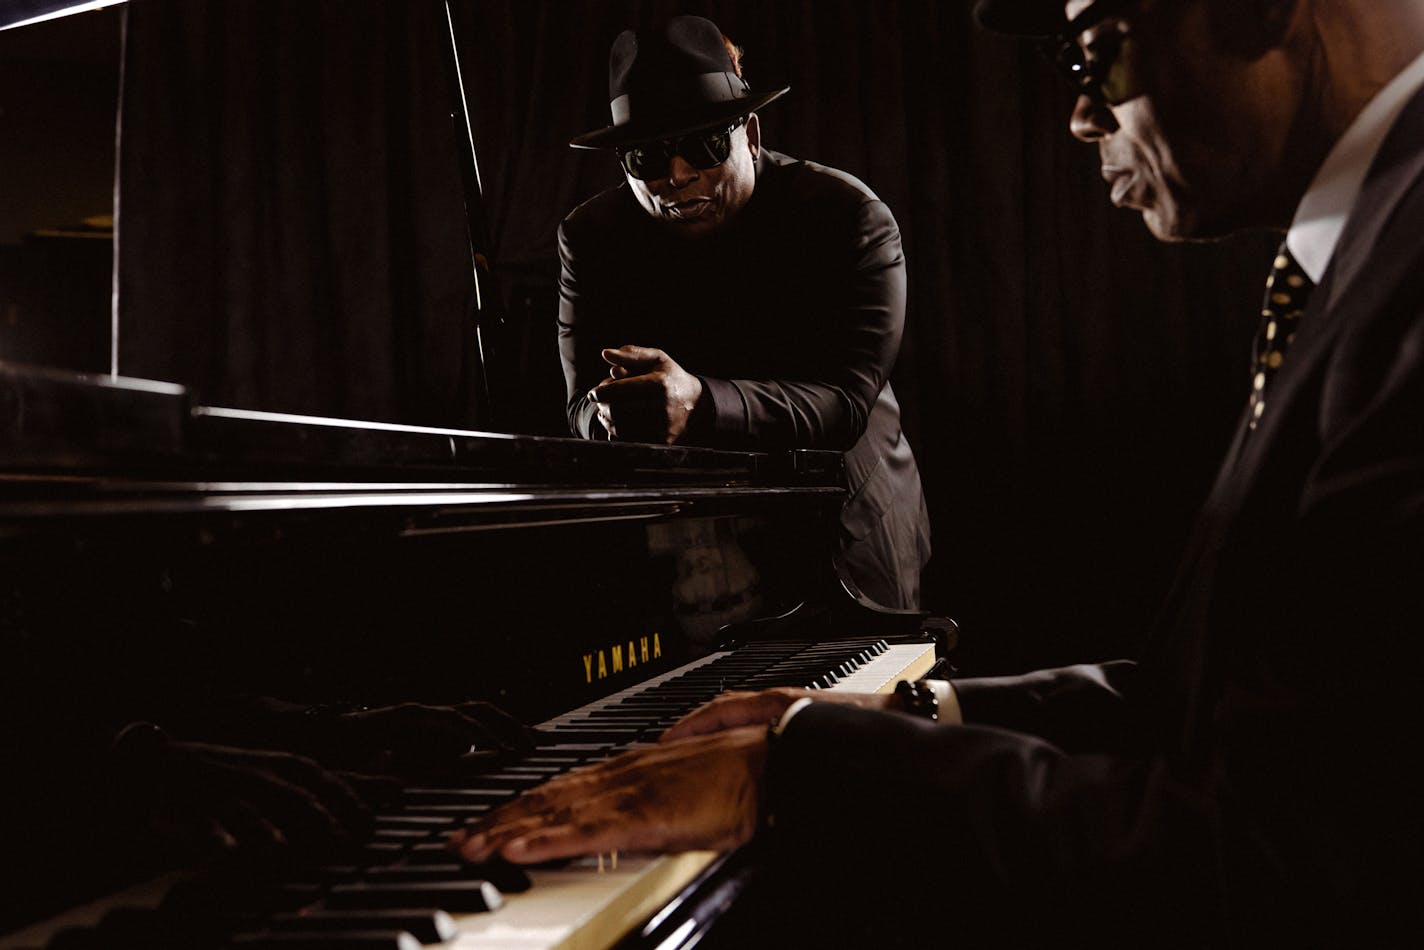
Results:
[693, 228]
[1173, 224]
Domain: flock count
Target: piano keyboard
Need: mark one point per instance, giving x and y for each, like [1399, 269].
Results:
[384, 899]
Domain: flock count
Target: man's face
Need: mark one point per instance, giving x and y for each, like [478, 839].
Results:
[693, 202]
[1198, 146]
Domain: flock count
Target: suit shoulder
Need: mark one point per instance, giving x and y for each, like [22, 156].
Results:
[608, 208]
[813, 180]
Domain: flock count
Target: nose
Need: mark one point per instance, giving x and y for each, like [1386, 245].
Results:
[1091, 120]
[681, 173]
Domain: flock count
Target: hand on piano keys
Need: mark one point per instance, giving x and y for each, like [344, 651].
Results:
[742, 708]
[698, 793]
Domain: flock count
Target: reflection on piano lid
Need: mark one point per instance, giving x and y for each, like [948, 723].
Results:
[22, 13]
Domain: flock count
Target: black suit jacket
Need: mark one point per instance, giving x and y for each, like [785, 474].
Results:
[792, 318]
[1252, 782]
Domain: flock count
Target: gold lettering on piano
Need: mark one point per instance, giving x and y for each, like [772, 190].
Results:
[620, 657]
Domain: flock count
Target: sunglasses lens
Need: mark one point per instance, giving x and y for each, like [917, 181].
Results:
[708, 150]
[652, 160]
[645, 162]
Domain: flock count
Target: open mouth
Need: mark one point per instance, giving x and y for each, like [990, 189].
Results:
[690, 208]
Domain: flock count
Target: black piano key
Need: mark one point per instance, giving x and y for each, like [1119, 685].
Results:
[374, 852]
[456, 796]
[507, 878]
[459, 814]
[447, 870]
[329, 940]
[541, 770]
[403, 835]
[414, 822]
[464, 897]
[595, 733]
[427, 924]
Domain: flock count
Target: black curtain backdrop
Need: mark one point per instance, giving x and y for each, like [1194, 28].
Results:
[291, 234]
[1068, 384]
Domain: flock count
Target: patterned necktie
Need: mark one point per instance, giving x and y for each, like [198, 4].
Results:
[1287, 290]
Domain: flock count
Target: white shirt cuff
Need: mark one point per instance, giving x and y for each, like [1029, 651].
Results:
[791, 711]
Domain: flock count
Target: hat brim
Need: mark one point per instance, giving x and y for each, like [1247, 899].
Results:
[1021, 17]
[707, 116]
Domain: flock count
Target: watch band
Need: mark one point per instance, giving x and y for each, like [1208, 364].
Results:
[918, 699]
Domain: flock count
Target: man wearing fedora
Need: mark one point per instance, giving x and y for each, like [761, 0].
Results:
[1251, 780]
[725, 295]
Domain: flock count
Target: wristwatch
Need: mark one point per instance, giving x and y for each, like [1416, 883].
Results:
[918, 699]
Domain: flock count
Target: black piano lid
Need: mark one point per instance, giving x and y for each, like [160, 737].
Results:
[110, 442]
[18, 13]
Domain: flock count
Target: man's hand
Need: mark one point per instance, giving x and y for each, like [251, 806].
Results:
[698, 793]
[647, 398]
[735, 709]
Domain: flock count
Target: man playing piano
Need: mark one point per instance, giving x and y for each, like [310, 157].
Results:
[1248, 782]
[733, 297]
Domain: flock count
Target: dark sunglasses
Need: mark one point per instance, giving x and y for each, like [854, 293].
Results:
[1092, 72]
[648, 161]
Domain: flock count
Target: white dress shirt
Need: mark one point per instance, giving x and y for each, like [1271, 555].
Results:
[1322, 213]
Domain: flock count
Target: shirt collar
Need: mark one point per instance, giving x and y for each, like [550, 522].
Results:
[1321, 215]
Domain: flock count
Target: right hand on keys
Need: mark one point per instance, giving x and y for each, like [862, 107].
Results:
[734, 709]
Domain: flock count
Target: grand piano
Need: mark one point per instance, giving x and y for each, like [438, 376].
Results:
[159, 553]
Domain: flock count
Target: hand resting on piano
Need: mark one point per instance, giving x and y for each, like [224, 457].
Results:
[697, 788]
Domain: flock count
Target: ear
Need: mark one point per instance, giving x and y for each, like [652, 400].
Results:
[1256, 27]
[1273, 21]
[754, 134]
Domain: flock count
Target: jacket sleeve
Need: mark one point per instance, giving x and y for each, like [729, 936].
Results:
[583, 363]
[1075, 707]
[863, 296]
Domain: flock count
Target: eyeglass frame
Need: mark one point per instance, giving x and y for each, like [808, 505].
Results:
[673, 146]
[1070, 59]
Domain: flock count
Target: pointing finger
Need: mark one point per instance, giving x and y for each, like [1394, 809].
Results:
[634, 357]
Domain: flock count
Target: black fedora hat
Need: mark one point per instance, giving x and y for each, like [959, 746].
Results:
[1021, 17]
[674, 78]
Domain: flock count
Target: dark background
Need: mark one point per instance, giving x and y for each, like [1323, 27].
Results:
[292, 238]
[1067, 382]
